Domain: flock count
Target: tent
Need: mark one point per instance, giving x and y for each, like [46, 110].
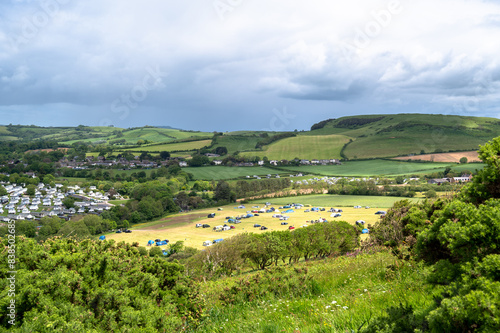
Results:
[150, 242]
[314, 209]
[289, 211]
[102, 237]
[365, 231]
[220, 208]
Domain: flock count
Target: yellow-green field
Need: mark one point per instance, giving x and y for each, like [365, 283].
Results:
[181, 146]
[304, 147]
[181, 227]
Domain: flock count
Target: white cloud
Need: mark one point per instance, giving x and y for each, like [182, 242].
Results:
[86, 54]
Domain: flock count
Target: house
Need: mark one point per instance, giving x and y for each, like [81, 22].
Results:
[217, 162]
[260, 163]
[183, 164]
[463, 179]
[273, 162]
[305, 162]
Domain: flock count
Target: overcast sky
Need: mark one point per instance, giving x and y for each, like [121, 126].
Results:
[244, 64]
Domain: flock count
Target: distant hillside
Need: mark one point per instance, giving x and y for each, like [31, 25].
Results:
[403, 134]
[96, 134]
[353, 137]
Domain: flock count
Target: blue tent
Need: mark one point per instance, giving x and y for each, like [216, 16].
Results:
[150, 242]
[365, 231]
[231, 220]
[314, 209]
[102, 237]
[289, 211]
[249, 215]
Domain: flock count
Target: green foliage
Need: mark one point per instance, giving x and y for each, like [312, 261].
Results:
[70, 286]
[463, 160]
[276, 281]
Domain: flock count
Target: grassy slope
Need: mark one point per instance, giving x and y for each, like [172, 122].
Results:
[221, 172]
[235, 143]
[181, 146]
[304, 147]
[381, 167]
[410, 133]
[349, 291]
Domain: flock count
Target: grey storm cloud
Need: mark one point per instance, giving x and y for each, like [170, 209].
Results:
[221, 65]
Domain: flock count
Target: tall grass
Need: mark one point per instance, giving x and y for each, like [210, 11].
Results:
[345, 293]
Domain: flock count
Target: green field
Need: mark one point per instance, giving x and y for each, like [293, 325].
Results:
[380, 168]
[181, 146]
[222, 172]
[329, 200]
[304, 147]
[235, 143]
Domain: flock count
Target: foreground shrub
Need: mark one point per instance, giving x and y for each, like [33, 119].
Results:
[70, 286]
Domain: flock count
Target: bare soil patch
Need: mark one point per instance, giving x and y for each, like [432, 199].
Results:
[174, 220]
[472, 156]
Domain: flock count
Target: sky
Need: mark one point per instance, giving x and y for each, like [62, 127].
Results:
[224, 65]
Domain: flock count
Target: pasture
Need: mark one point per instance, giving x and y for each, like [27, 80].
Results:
[181, 227]
[223, 172]
[179, 146]
[380, 168]
[304, 147]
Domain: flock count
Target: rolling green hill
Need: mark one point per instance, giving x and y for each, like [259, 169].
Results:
[352, 137]
[403, 134]
[304, 147]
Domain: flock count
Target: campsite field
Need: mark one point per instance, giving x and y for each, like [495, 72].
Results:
[181, 227]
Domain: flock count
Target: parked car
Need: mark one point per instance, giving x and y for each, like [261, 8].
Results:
[157, 240]
[381, 212]
[263, 228]
[291, 227]
[284, 223]
[118, 231]
[206, 226]
[233, 227]
[256, 225]
[199, 225]
[212, 215]
[128, 231]
[256, 215]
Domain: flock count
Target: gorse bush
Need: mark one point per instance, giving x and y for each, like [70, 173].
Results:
[70, 286]
[276, 281]
[460, 240]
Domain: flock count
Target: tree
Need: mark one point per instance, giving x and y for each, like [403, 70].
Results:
[223, 192]
[430, 193]
[463, 160]
[30, 190]
[69, 202]
[221, 150]
[164, 155]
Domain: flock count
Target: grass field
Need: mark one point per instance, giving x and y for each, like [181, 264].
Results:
[328, 200]
[221, 172]
[239, 143]
[181, 227]
[381, 168]
[181, 146]
[350, 291]
[304, 147]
